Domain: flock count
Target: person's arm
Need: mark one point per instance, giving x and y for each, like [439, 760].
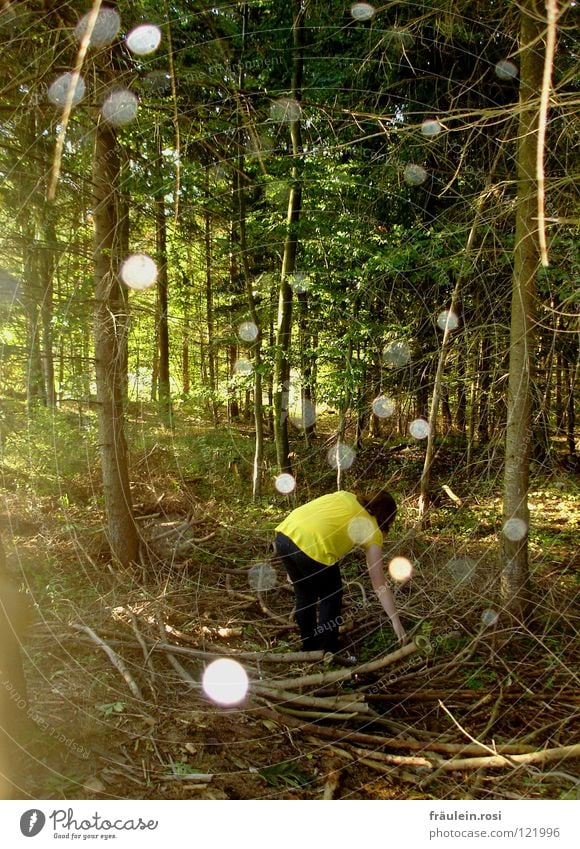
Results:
[377, 575]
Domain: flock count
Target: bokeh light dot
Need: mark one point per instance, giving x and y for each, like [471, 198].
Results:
[285, 483]
[143, 39]
[360, 529]
[419, 428]
[106, 27]
[400, 569]
[431, 127]
[139, 271]
[506, 70]
[262, 577]
[414, 175]
[362, 11]
[341, 456]
[299, 281]
[157, 82]
[515, 529]
[225, 681]
[448, 318]
[383, 407]
[489, 617]
[306, 417]
[58, 92]
[285, 110]
[397, 354]
[461, 569]
[243, 367]
[120, 107]
[248, 331]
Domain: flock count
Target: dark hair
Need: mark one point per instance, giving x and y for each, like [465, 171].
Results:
[382, 506]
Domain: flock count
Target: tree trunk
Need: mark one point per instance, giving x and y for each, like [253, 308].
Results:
[110, 310]
[515, 573]
[211, 355]
[35, 390]
[46, 259]
[163, 385]
[257, 344]
[283, 335]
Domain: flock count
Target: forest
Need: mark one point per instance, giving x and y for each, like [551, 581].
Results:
[253, 253]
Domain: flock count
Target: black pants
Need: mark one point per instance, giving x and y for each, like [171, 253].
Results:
[313, 582]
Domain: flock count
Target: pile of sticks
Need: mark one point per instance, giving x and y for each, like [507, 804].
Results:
[302, 702]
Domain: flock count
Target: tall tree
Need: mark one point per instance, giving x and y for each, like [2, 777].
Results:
[515, 572]
[110, 340]
[284, 330]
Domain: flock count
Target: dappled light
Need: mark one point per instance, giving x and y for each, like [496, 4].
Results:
[289, 406]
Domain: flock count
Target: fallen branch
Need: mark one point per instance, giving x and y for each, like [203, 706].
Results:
[115, 660]
[329, 703]
[544, 756]
[343, 735]
[450, 494]
[345, 673]
[181, 671]
[262, 657]
[375, 765]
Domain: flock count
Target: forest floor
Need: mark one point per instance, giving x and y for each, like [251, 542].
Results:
[149, 731]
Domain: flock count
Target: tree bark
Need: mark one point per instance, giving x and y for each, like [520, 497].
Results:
[284, 330]
[211, 361]
[252, 306]
[515, 573]
[46, 261]
[163, 384]
[110, 325]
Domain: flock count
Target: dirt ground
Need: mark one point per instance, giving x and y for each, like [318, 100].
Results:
[112, 713]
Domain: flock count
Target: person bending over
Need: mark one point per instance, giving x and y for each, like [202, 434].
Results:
[312, 540]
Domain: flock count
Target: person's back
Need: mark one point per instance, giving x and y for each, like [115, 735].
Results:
[327, 528]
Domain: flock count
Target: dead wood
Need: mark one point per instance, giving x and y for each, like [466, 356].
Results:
[345, 735]
[345, 673]
[262, 657]
[544, 756]
[329, 703]
[115, 660]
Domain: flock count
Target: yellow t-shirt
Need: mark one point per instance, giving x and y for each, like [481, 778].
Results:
[330, 526]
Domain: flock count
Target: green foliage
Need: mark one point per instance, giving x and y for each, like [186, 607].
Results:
[285, 772]
[112, 708]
